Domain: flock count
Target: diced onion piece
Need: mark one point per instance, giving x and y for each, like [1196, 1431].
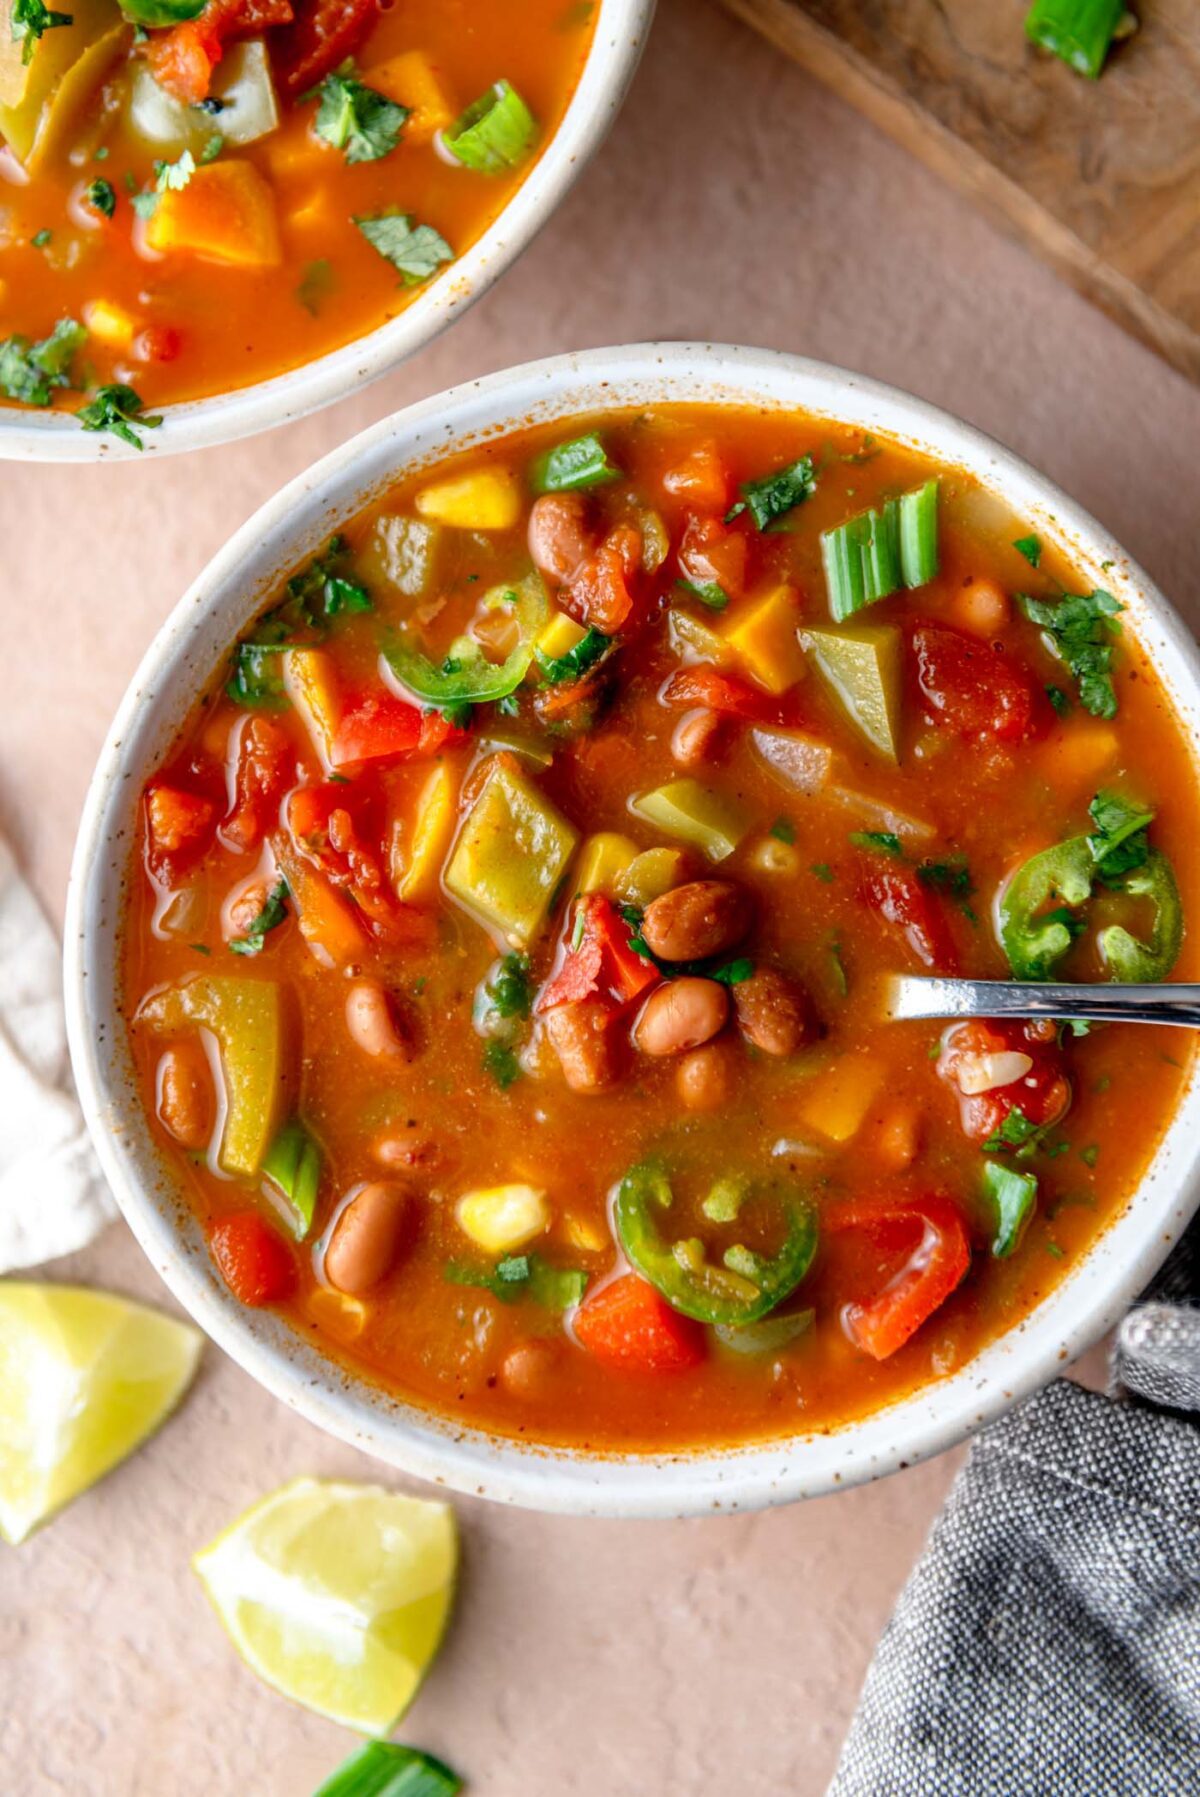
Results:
[976, 1073]
[243, 85]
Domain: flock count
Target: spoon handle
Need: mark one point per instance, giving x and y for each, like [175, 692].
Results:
[911, 996]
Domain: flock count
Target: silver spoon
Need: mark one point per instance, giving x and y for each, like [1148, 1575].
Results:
[909, 995]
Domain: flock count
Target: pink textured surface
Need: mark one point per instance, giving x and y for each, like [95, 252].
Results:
[735, 200]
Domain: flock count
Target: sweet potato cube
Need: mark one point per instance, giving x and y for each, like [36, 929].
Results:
[226, 213]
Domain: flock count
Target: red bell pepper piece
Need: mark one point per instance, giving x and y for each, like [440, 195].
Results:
[179, 827]
[323, 35]
[975, 690]
[327, 834]
[897, 895]
[265, 767]
[629, 1326]
[254, 1261]
[378, 726]
[710, 551]
[724, 693]
[603, 961]
[931, 1233]
[1043, 1095]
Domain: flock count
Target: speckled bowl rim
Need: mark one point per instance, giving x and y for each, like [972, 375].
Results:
[620, 36]
[185, 653]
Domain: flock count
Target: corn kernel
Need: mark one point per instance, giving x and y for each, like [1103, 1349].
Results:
[501, 1219]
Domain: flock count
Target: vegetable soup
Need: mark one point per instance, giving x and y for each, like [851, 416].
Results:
[199, 194]
[504, 958]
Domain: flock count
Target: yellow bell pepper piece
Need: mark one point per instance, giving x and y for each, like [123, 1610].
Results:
[603, 859]
[559, 636]
[28, 90]
[310, 682]
[652, 873]
[246, 1017]
[488, 499]
[502, 1219]
[433, 826]
[695, 814]
[861, 663]
[411, 80]
[763, 637]
[226, 213]
[511, 853]
[835, 1102]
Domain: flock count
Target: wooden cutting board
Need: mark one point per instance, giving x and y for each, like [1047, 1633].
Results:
[1101, 178]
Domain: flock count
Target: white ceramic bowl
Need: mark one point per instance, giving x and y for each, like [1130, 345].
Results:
[620, 35]
[183, 658]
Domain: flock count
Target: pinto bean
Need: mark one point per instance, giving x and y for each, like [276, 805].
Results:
[692, 922]
[528, 1371]
[367, 1237]
[681, 1014]
[559, 539]
[704, 1078]
[397, 1148]
[581, 1036]
[186, 1104]
[698, 738]
[373, 1023]
[775, 1013]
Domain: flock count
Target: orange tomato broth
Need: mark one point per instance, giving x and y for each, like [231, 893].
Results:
[184, 324]
[448, 1346]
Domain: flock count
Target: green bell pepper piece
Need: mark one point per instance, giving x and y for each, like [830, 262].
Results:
[466, 676]
[1035, 943]
[246, 1017]
[741, 1291]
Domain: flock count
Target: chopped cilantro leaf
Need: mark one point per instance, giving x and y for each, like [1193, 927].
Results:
[1119, 843]
[30, 372]
[1015, 1131]
[771, 498]
[118, 409]
[1090, 1155]
[212, 147]
[1059, 700]
[41, 239]
[273, 913]
[1078, 629]
[1031, 548]
[316, 284]
[590, 649]
[952, 877]
[415, 251]
[882, 842]
[101, 197]
[823, 872]
[323, 589]
[784, 830]
[30, 19]
[357, 119]
[510, 990]
[501, 1062]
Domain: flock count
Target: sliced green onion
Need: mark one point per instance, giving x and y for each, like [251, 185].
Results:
[385, 1769]
[293, 1165]
[567, 467]
[1015, 1195]
[876, 552]
[495, 133]
[1080, 31]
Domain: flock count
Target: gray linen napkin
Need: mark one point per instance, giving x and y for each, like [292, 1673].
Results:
[1048, 1642]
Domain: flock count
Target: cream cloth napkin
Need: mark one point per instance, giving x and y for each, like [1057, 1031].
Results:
[53, 1198]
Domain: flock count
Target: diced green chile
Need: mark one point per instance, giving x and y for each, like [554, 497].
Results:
[467, 677]
[740, 1292]
[1036, 939]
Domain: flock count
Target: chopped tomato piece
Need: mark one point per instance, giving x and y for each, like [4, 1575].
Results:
[603, 961]
[178, 826]
[380, 727]
[1041, 1091]
[701, 478]
[897, 895]
[932, 1235]
[723, 693]
[254, 1261]
[324, 35]
[599, 593]
[264, 769]
[710, 551]
[182, 59]
[630, 1326]
[975, 690]
[326, 833]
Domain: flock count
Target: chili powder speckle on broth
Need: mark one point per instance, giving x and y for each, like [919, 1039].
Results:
[527, 883]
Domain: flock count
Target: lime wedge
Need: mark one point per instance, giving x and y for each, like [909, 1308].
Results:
[336, 1595]
[85, 1377]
